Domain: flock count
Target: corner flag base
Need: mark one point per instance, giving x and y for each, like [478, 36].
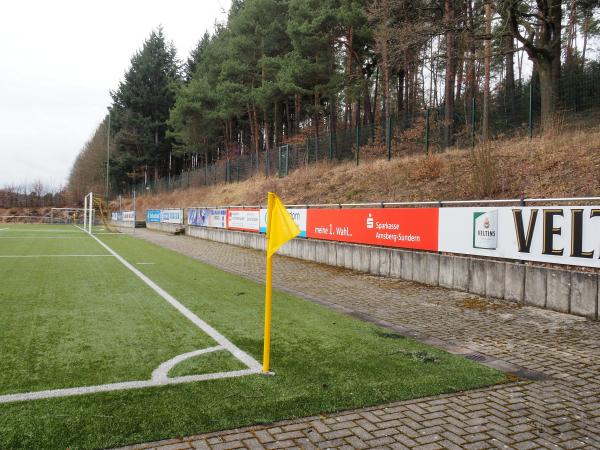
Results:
[268, 374]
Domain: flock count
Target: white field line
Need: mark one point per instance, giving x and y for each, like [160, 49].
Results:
[212, 332]
[55, 256]
[43, 237]
[159, 378]
[40, 230]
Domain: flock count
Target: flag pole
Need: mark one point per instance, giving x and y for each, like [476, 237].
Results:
[268, 309]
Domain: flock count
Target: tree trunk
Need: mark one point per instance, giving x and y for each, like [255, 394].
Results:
[485, 126]
[509, 63]
[586, 29]
[450, 74]
[548, 91]
[400, 93]
[297, 110]
[348, 100]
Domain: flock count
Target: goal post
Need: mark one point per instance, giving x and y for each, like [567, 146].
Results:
[88, 212]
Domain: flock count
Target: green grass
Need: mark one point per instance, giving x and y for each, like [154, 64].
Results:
[90, 321]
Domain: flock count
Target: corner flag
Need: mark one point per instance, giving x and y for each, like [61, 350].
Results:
[280, 229]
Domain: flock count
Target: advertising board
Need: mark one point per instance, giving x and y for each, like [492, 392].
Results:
[128, 216]
[299, 216]
[415, 228]
[551, 234]
[243, 219]
[200, 217]
[153, 215]
[171, 216]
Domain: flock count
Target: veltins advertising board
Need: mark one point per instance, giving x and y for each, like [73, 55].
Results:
[243, 219]
[128, 216]
[153, 215]
[415, 228]
[215, 218]
[171, 216]
[299, 216]
[552, 234]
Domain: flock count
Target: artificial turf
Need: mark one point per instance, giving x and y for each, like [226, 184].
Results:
[87, 321]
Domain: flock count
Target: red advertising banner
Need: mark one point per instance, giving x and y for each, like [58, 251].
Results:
[415, 228]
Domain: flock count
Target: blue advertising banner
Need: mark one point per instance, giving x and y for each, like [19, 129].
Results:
[153, 215]
[215, 218]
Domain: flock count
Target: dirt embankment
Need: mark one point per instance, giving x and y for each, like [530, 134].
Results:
[561, 165]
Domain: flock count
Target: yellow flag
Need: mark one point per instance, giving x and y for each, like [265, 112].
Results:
[280, 225]
[280, 229]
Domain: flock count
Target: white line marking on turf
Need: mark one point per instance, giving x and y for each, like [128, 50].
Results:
[212, 332]
[54, 256]
[69, 392]
[39, 230]
[162, 373]
[43, 237]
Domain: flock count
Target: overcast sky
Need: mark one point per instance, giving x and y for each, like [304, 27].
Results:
[58, 61]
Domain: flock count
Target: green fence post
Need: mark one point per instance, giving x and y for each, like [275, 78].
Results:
[330, 145]
[316, 148]
[427, 131]
[287, 159]
[279, 162]
[531, 108]
[238, 170]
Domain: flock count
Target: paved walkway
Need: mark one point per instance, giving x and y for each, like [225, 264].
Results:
[561, 410]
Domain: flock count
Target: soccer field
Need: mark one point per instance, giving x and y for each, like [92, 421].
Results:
[107, 340]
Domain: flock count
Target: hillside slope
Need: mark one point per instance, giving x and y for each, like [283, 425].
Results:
[562, 165]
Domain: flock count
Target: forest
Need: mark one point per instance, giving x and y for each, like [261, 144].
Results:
[300, 71]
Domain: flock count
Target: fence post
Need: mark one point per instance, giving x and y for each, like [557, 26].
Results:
[206, 171]
[357, 143]
[330, 143]
[316, 148]
[279, 162]
[238, 170]
[388, 137]
[287, 159]
[427, 131]
[531, 108]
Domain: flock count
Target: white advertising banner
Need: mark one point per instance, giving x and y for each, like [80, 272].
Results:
[171, 216]
[551, 234]
[299, 216]
[243, 219]
[128, 216]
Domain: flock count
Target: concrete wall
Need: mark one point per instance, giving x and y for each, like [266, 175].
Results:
[167, 227]
[122, 224]
[556, 289]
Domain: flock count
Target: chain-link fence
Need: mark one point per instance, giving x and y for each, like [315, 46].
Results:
[513, 111]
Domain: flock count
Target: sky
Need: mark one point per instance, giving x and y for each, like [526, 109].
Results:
[59, 60]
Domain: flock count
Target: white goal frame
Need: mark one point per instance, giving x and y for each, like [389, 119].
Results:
[88, 212]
